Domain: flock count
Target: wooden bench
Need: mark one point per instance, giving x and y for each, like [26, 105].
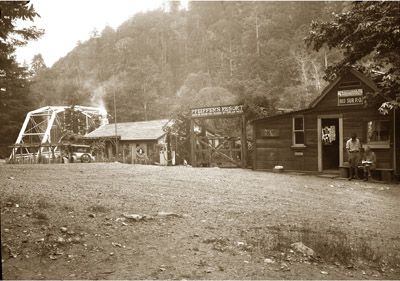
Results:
[385, 173]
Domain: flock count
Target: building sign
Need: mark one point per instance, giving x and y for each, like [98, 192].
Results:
[350, 97]
[270, 133]
[140, 152]
[218, 111]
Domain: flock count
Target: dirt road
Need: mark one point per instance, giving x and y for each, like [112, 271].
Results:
[116, 221]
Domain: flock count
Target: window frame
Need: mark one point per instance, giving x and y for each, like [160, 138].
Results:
[379, 142]
[294, 131]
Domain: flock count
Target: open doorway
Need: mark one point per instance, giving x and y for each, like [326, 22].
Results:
[330, 144]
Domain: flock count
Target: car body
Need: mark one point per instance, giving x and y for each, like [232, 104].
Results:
[81, 153]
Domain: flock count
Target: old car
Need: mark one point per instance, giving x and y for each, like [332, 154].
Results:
[81, 153]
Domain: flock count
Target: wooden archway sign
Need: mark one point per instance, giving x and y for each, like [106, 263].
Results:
[217, 112]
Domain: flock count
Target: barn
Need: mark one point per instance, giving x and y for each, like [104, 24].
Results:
[314, 139]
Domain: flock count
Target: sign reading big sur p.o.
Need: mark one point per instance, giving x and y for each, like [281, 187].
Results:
[350, 97]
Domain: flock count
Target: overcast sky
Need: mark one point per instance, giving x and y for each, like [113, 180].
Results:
[67, 21]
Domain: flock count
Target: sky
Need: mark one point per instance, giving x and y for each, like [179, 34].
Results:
[67, 21]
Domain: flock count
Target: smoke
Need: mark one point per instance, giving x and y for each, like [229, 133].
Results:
[97, 100]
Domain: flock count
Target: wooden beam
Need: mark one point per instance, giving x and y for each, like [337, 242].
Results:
[192, 144]
[254, 147]
[243, 142]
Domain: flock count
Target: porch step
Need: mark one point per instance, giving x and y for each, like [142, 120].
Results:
[297, 173]
[329, 176]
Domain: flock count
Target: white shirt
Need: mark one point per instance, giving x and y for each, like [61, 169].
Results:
[353, 145]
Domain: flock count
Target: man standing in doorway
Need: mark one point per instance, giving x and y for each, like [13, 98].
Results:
[353, 147]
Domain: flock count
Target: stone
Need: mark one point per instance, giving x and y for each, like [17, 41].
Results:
[116, 244]
[134, 217]
[76, 240]
[168, 214]
[269, 261]
[301, 248]
[284, 267]
[63, 229]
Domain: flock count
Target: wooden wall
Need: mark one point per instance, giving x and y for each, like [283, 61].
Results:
[397, 137]
[271, 151]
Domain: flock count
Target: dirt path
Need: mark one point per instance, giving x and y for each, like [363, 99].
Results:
[214, 224]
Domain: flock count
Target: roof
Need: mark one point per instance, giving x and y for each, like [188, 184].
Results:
[327, 89]
[356, 73]
[277, 116]
[145, 130]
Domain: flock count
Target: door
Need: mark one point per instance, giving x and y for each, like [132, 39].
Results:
[330, 143]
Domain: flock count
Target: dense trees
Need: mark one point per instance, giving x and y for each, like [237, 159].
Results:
[15, 100]
[253, 50]
[160, 63]
[369, 34]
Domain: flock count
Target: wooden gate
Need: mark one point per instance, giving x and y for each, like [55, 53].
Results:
[215, 150]
[218, 150]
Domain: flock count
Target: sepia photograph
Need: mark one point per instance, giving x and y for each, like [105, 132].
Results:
[199, 140]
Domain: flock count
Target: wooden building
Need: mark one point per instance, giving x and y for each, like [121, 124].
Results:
[314, 139]
[137, 141]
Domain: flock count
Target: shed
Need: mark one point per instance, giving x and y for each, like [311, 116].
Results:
[314, 139]
[136, 140]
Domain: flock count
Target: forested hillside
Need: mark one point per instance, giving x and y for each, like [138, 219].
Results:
[164, 61]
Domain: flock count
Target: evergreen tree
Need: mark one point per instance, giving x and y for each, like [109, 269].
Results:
[15, 101]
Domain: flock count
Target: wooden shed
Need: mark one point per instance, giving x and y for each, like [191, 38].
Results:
[314, 139]
[137, 141]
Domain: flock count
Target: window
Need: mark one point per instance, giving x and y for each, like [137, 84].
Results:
[298, 131]
[378, 131]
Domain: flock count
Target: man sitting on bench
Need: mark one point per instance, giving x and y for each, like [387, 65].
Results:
[369, 162]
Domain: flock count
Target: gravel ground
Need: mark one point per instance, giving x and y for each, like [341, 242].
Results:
[117, 221]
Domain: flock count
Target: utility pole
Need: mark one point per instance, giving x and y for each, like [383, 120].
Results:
[116, 131]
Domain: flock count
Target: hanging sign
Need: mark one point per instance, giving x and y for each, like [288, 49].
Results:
[350, 97]
[140, 152]
[218, 111]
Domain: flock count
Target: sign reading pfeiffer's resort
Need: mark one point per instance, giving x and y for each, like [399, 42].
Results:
[350, 97]
[221, 111]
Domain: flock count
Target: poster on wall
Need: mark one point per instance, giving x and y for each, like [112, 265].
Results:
[328, 135]
[350, 97]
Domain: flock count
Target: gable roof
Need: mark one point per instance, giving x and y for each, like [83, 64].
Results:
[327, 89]
[145, 130]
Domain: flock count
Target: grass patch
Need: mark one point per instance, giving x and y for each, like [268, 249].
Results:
[330, 245]
[43, 204]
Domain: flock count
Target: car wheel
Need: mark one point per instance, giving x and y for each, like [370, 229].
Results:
[85, 158]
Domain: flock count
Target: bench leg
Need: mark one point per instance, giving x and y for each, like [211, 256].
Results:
[386, 175]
